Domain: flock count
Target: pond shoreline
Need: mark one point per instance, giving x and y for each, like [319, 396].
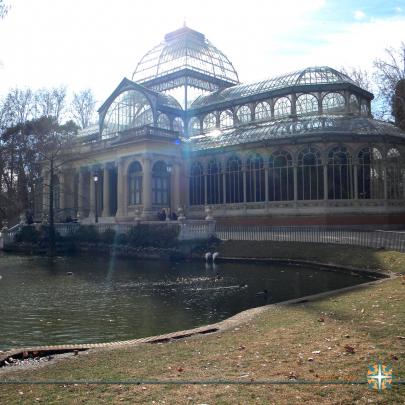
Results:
[218, 327]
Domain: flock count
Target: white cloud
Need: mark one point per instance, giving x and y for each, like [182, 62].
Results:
[359, 15]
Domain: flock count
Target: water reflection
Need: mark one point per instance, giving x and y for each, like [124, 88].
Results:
[113, 299]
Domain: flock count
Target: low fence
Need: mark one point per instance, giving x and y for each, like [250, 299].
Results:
[188, 229]
[200, 229]
[393, 240]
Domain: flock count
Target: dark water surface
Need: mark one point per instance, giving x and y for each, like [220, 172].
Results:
[106, 300]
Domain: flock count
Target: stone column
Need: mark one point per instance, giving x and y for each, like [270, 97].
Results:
[120, 189]
[244, 184]
[325, 182]
[295, 173]
[355, 182]
[224, 186]
[206, 188]
[92, 196]
[106, 192]
[403, 186]
[385, 184]
[175, 192]
[266, 184]
[80, 195]
[147, 189]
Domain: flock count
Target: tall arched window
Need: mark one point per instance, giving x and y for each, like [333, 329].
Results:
[178, 125]
[160, 184]
[394, 175]
[282, 107]
[353, 104]
[307, 104]
[333, 103]
[310, 174]
[364, 109]
[194, 126]
[255, 188]
[370, 174]
[244, 114]
[197, 188]
[209, 122]
[135, 183]
[281, 177]
[234, 180]
[226, 119]
[262, 111]
[163, 121]
[130, 109]
[340, 174]
[214, 183]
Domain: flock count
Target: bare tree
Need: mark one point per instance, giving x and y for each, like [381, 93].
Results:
[388, 72]
[83, 107]
[50, 102]
[398, 104]
[19, 106]
[360, 76]
[3, 9]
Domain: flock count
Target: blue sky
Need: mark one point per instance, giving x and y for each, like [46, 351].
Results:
[89, 43]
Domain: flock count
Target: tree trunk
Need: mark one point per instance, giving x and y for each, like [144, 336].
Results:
[51, 251]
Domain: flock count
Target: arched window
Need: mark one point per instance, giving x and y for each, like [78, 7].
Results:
[244, 114]
[310, 174]
[197, 188]
[234, 180]
[340, 174]
[209, 122]
[282, 107]
[255, 188]
[178, 125]
[135, 183]
[307, 104]
[160, 184]
[394, 175]
[214, 183]
[333, 103]
[353, 104]
[262, 111]
[131, 109]
[163, 121]
[194, 126]
[370, 174]
[225, 119]
[281, 177]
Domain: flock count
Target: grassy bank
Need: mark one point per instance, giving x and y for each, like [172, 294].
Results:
[331, 339]
[354, 256]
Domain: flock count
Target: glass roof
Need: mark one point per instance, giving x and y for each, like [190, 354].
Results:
[185, 49]
[289, 128]
[311, 75]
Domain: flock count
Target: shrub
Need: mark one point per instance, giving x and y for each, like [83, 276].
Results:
[153, 235]
[121, 239]
[86, 234]
[27, 234]
[108, 236]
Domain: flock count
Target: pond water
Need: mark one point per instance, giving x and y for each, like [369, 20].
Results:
[106, 299]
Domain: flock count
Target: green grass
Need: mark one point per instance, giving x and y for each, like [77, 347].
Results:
[354, 256]
[275, 344]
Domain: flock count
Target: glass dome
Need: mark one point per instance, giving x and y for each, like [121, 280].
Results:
[185, 50]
